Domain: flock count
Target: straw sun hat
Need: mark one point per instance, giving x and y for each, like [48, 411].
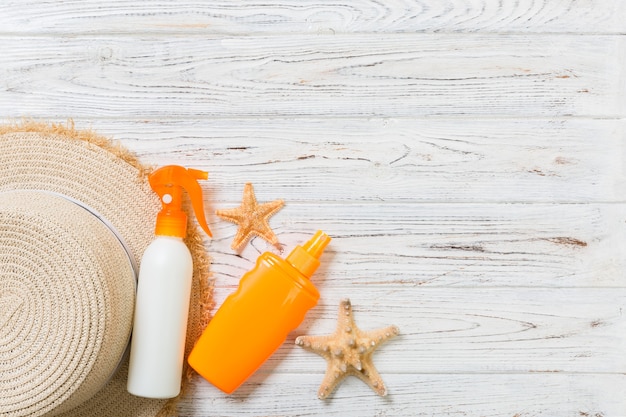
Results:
[76, 214]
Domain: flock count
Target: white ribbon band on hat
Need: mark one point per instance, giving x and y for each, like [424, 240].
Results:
[102, 219]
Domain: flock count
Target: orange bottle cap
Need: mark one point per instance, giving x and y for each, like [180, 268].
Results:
[306, 258]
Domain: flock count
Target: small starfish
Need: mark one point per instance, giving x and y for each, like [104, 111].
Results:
[348, 351]
[252, 218]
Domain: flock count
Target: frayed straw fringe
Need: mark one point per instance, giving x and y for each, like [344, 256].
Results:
[202, 285]
[69, 131]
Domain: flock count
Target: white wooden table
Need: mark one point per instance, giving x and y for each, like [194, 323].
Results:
[467, 156]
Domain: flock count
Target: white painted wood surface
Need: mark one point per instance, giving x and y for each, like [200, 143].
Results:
[467, 156]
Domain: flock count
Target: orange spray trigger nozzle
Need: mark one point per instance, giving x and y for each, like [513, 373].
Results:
[168, 182]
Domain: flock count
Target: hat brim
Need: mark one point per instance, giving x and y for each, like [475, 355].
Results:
[104, 176]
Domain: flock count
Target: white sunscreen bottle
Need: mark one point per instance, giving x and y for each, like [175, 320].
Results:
[164, 288]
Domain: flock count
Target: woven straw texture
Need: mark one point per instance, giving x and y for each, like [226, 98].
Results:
[107, 179]
[67, 300]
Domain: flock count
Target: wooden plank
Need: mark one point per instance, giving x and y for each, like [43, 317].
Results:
[389, 160]
[311, 75]
[526, 395]
[320, 16]
[472, 179]
[445, 245]
[472, 330]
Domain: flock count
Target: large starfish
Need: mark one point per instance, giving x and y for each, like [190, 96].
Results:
[252, 218]
[348, 351]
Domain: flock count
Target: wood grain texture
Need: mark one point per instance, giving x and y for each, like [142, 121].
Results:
[390, 160]
[490, 395]
[471, 330]
[466, 156]
[409, 246]
[311, 75]
[320, 16]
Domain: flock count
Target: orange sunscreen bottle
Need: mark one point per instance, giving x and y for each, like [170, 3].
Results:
[253, 322]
